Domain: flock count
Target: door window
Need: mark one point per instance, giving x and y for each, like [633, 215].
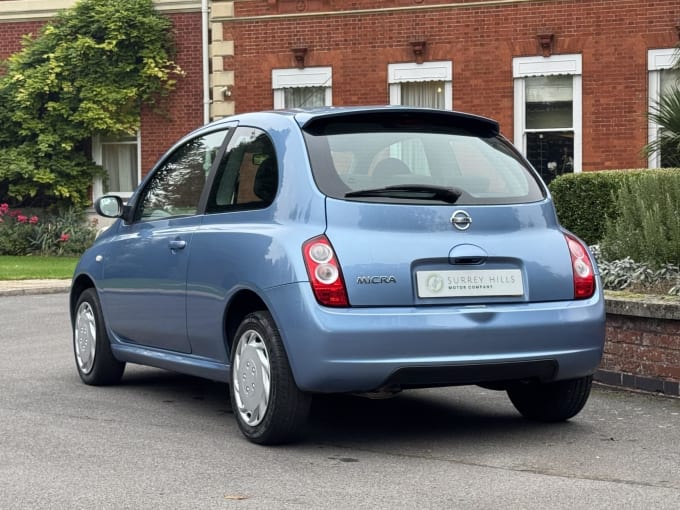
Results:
[175, 188]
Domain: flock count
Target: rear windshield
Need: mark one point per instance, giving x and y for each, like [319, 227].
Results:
[382, 161]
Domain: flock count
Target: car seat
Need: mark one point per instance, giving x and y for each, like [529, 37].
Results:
[266, 180]
[389, 167]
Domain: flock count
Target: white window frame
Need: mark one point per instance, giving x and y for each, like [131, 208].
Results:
[527, 67]
[414, 72]
[305, 77]
[97, 157]
[657, 60]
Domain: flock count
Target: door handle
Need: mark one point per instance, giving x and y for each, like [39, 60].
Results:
[178, 244]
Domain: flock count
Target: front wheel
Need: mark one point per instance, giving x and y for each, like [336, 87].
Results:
[91, 346]
[269, 407]
[551, 402]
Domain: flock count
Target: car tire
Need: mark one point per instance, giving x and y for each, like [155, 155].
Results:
[551, 402]
[91, 345]
[269, 407]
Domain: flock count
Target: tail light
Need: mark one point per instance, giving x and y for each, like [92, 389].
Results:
[324, 272]
[582, 269]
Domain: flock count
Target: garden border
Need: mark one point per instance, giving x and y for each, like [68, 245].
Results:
[642, 347]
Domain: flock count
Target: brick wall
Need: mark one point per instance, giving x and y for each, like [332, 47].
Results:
[642, 348]
[11, 35]
[182, 110]
[613, 37]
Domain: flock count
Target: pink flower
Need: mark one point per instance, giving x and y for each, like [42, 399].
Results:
[21, 218]
[3, 209]
[64, 237]
[14, 213]
[33, 220]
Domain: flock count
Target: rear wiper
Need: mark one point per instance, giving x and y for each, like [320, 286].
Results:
[413, 191]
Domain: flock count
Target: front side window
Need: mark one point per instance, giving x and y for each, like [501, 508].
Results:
[302, 88]
[247, 176]
[426, 85]
[547, 113]
[393, 158]
[176, 186]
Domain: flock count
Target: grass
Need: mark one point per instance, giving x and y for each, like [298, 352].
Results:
[34, 267]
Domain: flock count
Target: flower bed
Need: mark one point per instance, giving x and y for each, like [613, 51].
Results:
[67, 233]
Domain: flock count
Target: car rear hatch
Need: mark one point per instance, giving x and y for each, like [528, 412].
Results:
[429, 207]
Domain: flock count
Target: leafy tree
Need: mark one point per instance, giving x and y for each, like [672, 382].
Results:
[89, 71]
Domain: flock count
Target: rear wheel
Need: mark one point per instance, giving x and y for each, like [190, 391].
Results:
[269, 407]
[91, 346]
[551, 402]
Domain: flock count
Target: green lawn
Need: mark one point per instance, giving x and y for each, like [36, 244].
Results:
[26, 268]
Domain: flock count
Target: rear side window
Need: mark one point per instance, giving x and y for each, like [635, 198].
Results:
[247, 176]
[379, 152]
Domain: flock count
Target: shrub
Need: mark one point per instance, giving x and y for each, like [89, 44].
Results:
[646, 226]
[626, 274]
[65, 234]
[584, 200]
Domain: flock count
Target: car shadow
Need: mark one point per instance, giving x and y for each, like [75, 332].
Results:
[465, 414]
[418, 415]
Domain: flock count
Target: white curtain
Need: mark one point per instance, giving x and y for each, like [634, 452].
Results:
[426, 94]
[304, 97]
[119, 159]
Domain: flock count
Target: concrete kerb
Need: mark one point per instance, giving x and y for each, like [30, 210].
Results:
[28, 287]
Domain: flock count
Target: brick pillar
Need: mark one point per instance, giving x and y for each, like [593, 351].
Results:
[221, 80]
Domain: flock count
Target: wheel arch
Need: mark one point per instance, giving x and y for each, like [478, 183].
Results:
[79, 285]
[241, 304]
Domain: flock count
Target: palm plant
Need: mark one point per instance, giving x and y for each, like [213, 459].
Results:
[666, 115]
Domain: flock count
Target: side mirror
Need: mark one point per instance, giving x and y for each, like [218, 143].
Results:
[109, 206]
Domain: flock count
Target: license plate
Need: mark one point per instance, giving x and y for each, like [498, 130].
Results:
[469, 283]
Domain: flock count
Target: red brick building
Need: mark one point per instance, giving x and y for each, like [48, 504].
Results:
[570, 81]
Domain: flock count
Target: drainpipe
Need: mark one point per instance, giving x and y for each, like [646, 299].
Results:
[205, 12]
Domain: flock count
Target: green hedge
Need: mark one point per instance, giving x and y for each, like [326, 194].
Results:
[585, 201]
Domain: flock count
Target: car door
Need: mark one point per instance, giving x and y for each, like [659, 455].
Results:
[144, 275]
[230, 248]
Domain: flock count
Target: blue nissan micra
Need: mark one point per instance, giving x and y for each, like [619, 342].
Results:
[363, 250]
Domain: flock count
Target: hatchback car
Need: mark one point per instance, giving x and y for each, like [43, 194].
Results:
[362, 250]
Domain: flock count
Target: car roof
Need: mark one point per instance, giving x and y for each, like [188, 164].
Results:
[306, 117]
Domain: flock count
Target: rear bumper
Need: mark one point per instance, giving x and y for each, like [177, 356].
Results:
[362, 349]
